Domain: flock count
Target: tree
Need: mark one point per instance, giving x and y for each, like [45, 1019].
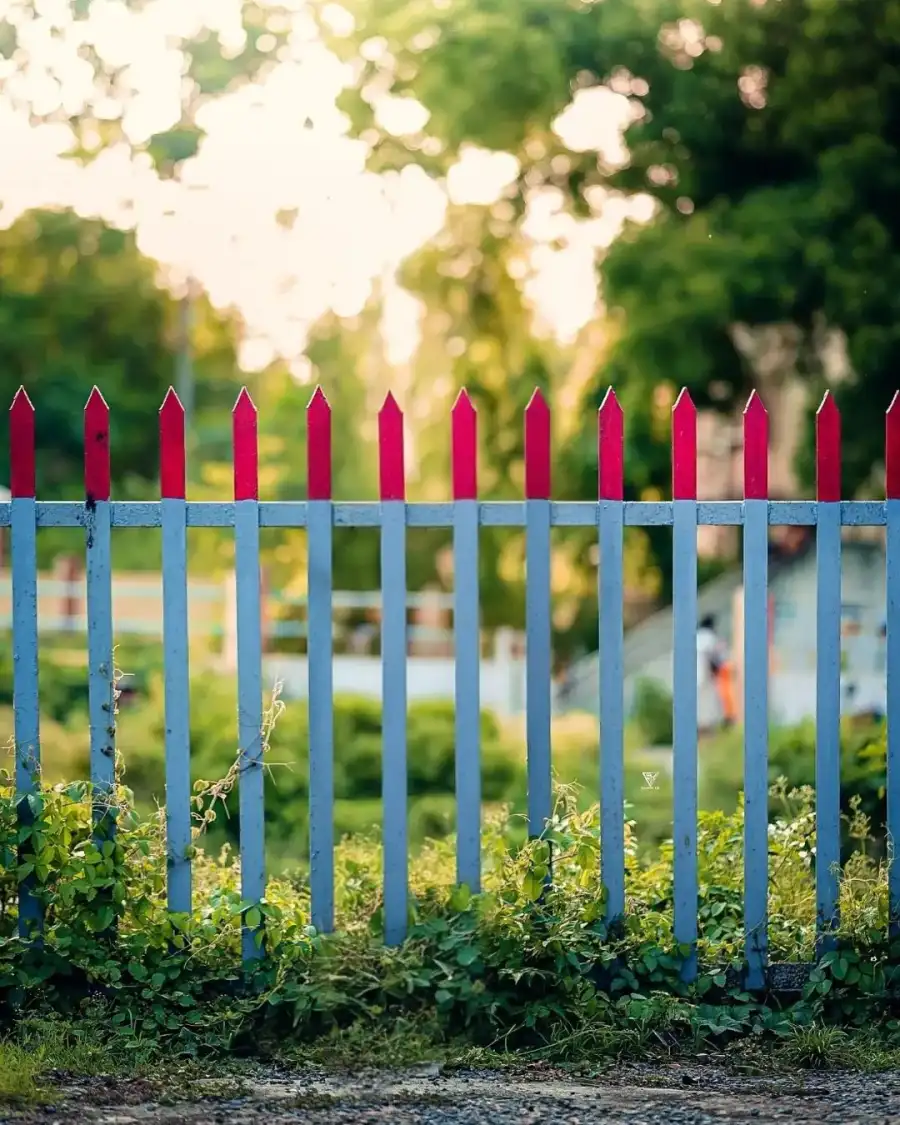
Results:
[79, 305]
[767, 133]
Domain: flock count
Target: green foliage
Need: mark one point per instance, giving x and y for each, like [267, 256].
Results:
[80, 305]
[792, 765]
[653, 712]
[537, 969]
[64, 689]
[764, 133]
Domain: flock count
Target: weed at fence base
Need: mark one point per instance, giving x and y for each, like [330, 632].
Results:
[505, 970]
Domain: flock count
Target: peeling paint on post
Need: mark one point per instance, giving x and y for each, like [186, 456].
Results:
[23, 529]
[98, 576]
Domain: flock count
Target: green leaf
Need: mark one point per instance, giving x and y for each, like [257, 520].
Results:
[460, 899]
[253, 918]
[533, 886]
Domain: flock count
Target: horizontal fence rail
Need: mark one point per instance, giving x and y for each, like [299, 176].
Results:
[99, 515]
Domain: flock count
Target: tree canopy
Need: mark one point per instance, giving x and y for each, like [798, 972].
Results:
[767, 133]
[79, 305]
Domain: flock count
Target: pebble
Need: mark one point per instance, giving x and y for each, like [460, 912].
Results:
[636, 1094]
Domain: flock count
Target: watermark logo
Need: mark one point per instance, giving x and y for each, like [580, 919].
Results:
[650, 781]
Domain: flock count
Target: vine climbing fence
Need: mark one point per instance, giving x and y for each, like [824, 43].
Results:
[320, 514]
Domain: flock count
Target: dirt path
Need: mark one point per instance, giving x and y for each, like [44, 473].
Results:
[634, 1095]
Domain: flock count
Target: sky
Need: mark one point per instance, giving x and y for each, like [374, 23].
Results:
[220, 223]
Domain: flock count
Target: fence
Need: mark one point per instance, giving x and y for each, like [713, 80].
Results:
[320, 515]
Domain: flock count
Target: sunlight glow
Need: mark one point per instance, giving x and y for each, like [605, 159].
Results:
[277, 214]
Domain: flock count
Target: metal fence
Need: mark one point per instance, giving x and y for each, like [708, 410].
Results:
[465, 514]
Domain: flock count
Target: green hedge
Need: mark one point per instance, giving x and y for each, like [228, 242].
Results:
[357, 762]
[431, 759]
[792, 756]
[64, 688]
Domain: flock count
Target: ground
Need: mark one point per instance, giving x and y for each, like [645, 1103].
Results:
[692, 1093]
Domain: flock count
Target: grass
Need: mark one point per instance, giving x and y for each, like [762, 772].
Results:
[521, 974]
[41, 1057]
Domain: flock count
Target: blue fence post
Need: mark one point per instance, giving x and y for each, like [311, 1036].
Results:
[467, 643]
[173, 518]
[892, 516]
[611, 495]
[319, 657]
[23, 549]
[756, 690]
[393, 670]
[251, 777]
[101, 665]
[538, 654]
[828, 670]
[684, 694]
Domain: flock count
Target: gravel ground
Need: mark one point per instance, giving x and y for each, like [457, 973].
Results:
[630, 1095]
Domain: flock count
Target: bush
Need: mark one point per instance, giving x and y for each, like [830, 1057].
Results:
[527, 965]
[792, 756]
[652, 712]
[357, 762]
[63, 687]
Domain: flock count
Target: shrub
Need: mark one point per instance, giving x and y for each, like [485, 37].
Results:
[652, 712]
[524, 964]
[792, 756]
[64, 687]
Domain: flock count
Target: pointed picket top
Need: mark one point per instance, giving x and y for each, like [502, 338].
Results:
[464, 447]
[756, 449]
[684, 447]
[391, 472]
[537, 447]
[892, 449]
[172, 462]
[21, 446]
[318, 447]
[244, 421]
[610, 449]
[96, 448]
[828, 450]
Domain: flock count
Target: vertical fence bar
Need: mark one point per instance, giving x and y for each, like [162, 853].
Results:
[756, 685]
[892, 508]
[684, 696]
[173, 515]
[393, 670]
[319, 657]
[538, 637]
[98, 572]
[251, 776]
[828, 669]
[467, 642]
[23, 550]
[611, 495]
